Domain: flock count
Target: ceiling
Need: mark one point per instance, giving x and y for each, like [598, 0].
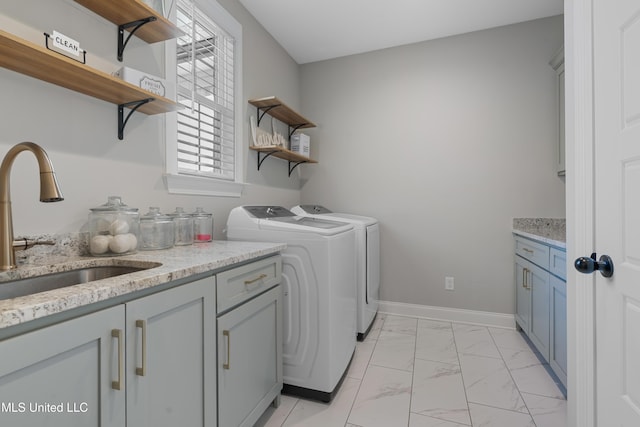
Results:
[315, 30]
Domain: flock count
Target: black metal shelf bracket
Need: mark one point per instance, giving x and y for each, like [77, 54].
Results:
[262, 158]
[294, 166]
[265, 110]
[122, 42]
[260, 161]
[293, 128]
[122, 121]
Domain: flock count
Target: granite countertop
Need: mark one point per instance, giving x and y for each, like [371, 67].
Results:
[552, 231]
[175, 263]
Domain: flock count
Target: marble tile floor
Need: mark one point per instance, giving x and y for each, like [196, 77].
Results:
[423, 373]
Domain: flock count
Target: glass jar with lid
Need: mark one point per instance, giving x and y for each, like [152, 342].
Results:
[156, 230]
[113, 228]
[202, 226]
[183, 225]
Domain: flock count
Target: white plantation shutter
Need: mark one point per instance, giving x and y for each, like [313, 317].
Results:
[205, 86]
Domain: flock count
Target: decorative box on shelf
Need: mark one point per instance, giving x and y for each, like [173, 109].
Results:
[147, 81]
[300, 144]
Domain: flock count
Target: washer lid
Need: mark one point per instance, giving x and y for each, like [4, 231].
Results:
[315, 209]
[333, 216]
[307, 221]
[277, 217]
[268, 211]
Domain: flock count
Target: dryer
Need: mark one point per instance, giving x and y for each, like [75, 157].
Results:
[318, 280]
[367, 231]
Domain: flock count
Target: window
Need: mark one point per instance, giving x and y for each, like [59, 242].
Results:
[204, 154]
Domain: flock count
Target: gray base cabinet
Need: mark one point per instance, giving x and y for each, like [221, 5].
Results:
[523, 296]
[143, 363]
[153, 361]
[62, 375]
[538, 284]
[170, 345]
[541, 306]
[249, 342]
[248, 356]
[558, 338]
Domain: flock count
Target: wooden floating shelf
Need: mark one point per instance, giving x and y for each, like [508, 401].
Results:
[279, 110]
[36, 61]
[283, 153]
[122, 12]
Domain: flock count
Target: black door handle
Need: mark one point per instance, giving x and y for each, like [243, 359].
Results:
[589, 264]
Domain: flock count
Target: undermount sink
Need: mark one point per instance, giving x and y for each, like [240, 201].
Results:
[48, 282]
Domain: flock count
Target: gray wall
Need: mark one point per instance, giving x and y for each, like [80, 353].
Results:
[444, 142]
[79, 132]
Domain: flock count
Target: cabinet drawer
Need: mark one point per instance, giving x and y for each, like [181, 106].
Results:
[558, 263]
[532, 251]
[243, 283]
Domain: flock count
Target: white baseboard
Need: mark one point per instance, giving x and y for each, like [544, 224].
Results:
[484, 318]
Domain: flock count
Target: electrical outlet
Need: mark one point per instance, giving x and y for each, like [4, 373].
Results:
[448, 283]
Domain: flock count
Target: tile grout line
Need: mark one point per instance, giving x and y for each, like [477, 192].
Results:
[464, 388]
[365, 370]
[290, 412]
[511, 376]
[413, 372]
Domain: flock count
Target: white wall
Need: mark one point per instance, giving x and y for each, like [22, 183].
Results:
[445, 142]
[80, 132]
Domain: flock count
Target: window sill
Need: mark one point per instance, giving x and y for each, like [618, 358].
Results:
[195, 185]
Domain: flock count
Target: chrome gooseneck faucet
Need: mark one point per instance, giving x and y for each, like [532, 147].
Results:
[49, 192]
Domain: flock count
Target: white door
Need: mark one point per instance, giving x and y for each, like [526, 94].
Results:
[616, 29]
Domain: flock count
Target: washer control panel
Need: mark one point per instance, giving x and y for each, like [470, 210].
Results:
[268, 211]
[315, 209]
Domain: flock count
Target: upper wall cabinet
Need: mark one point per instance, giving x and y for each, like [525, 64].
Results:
[557, 62]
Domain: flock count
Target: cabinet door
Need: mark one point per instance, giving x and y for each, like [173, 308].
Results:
[249, 359]
[61, 375]
[558, 339]
[561, 124]
[557, 62]
[171, 357]
[523, 297]
[538, 284]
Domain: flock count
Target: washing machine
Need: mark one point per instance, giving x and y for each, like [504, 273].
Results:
[318, 281]
[367, 232]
